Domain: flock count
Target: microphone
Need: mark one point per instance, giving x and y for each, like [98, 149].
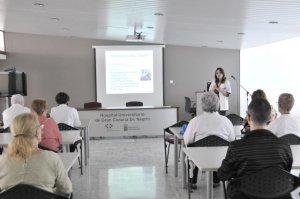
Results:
[232, 77]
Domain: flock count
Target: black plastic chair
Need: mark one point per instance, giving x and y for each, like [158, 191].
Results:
[66, 127]
[24, 191]
[134, 103]
[92, 105]
[292, 139]
[209, 141]
[271, 182]
[6, 130]
[235, 119]
[189, 108]
[169, 139]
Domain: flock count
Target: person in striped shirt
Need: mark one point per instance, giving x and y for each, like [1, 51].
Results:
[259, 149]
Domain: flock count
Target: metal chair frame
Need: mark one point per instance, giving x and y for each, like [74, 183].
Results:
[65, 127]
[170, 140]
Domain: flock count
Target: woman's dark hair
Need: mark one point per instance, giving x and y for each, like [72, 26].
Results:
[258, 94]
[62, 98]
[259, 109]
[216, 78]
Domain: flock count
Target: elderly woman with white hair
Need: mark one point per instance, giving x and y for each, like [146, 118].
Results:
[208, 123]
[16, 108]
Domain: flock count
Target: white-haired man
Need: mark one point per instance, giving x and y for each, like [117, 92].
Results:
[206, 124]
[16, 108]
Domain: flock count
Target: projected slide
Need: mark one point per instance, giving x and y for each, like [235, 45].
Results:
[129, 71]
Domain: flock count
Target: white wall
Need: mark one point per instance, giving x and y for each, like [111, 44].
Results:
[56, 64]
[191, 68]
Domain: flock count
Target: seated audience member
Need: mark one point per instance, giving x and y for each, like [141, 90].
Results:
[64, 113]
[286, 123]
[259, 149]
[24, 163]
[51, 136]
[256, 95]
[208, 123]
[17, 107]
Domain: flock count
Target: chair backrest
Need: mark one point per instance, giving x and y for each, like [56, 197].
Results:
[189, 108]
[6, 130]
[92, 105]
[134, 103]
[29, 192]
[65, 127]
[235, 119]
[188, 104]
[291, 138]
[271, 182]
[211, 140]
[178, 124]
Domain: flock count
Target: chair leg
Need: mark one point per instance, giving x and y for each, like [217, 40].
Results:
[179, 152]
[81, 162]
[166, 161]
[188, 177]
[224, 188]
[167, 157]
[80, 157]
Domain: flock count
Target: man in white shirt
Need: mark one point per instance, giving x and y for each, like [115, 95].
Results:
[208, 123]
[64, 113]
[286, 123]
[16, 108]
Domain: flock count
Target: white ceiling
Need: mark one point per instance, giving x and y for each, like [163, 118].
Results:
[206, 23]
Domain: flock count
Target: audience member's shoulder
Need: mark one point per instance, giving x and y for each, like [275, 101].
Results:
[224, 118]
[73, 108]
[49, 154]
[51, 119]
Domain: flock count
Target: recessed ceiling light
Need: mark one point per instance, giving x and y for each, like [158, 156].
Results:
[241, 33]
[273, 22]
[39, 4]
[159, 14]
[55, 18]
[150, 27]
[66, 29]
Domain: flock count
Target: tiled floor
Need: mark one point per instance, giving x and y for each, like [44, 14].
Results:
[133, 169]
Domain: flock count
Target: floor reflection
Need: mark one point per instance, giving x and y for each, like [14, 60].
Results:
[132, 182]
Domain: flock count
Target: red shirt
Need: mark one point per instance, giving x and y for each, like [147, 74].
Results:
[51, 136]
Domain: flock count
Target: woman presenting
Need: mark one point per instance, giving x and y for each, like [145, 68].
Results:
[221, 86]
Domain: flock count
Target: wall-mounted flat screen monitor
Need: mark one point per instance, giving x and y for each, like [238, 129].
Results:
[12, 83]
